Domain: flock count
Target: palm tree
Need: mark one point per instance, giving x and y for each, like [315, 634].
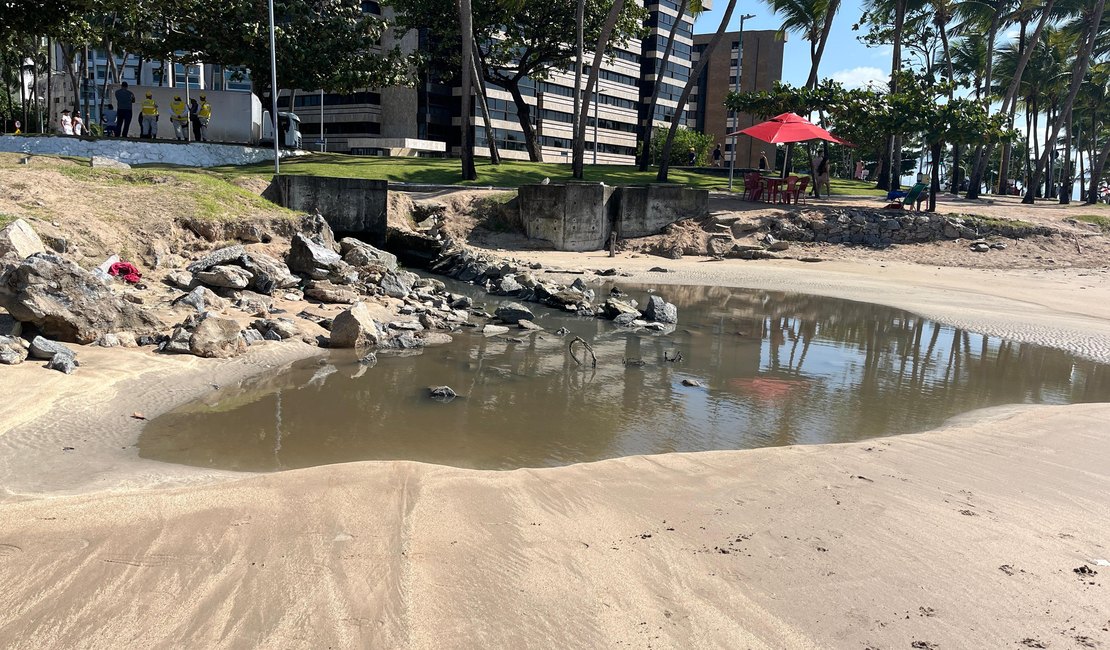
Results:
[977, 14]
[695, 74]
[694, 7]
[579, 151]
[812, 19]
[1088, 22]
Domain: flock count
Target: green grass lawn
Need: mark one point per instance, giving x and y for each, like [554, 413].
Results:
[445, 171]
[1099, 220]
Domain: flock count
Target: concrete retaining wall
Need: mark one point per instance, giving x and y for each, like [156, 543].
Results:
[645, 210]
[580, 216]
[141, 152]
[572, 216]
[351, 206]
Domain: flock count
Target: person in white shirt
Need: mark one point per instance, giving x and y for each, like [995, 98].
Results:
[66, 123]
[78, 124]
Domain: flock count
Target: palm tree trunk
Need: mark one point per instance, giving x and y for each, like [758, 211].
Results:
[1083, 61]
[1066, 181]
[895, 67]
[815, 60]
[466, 30]
[1098, 167]
[649, 123]
[579, 152]
[982, 153]
[695, 74]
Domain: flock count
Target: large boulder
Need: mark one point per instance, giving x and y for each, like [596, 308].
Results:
[660, 310]
[202, 299]
[325, 291]
[310, 258]
[614, 307]
[398, 285]
[12, 350]
[45, 349]
[355, 328]
[67, 303]
[359, 253]
[228, 255]
[316, 227]
[18, 237]
[270, 274]
[217, 338]
[514, 312]
[225, 276]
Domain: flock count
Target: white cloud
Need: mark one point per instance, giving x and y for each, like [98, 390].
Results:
[861, 77]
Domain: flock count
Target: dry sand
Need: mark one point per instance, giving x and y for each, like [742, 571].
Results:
[961, 538]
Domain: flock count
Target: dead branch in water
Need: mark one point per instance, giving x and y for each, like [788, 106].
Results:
[570, 347]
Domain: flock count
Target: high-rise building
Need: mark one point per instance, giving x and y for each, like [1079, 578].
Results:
[758, 69]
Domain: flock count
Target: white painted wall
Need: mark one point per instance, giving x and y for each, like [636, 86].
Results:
[141, 152]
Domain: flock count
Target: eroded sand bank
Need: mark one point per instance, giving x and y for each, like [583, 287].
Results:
[961, 538]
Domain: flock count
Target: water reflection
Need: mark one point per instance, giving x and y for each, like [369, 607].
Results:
[774, 369]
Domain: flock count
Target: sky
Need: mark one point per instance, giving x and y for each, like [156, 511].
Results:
[845, 59]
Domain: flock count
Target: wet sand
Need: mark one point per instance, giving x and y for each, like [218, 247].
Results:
[958, 538]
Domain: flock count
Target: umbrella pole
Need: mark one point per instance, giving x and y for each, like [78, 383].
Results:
[786, 164]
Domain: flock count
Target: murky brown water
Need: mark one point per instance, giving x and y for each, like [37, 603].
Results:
[776, 369]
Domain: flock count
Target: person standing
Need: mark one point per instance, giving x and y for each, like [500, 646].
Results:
[179, 118]
[692, 157]
[763, 164]
[194, 121]
[125, 100]
[822, 178]
[65, 122]
[717, 156]
[148, 117]
[204, 116]
[108, 120]
[78, 124]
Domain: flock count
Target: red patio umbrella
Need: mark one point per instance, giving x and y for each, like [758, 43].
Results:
[788, 128]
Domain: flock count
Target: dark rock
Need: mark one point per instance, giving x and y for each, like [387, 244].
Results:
[178, 341]
[270, 275]
[45, 349]
[63, 363]
[658, 269]
[252, 336]
[316, 227]
[980, 247]
[67, 303]
[218, 257]
[608, 272]
[514, 312]
[397, 285]
[283, 328]
[660, 311]
[562, 331]
[442, 393]
[691, 382]
[625, 319]
[308, 257]
[614, 307]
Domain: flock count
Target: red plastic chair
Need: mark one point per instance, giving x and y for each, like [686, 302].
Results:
[789, 194]
[753, 187]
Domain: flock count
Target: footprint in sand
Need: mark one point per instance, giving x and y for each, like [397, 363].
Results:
[9, 550]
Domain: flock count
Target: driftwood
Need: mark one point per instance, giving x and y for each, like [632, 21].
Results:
[570, 347]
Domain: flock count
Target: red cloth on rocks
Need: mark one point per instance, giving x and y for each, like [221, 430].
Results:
[127, 270]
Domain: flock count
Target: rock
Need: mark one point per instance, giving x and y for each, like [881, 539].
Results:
[608, 272]
[217, 258]
[67, 303]
[980, 247]
[779, 246]
[562, 331]
[507, 286]
[252, 336]
[308, 257]
[494, 330]
[202, 299]
[355, 328]
[625, 319]
[359, 253]
[461, 302]
[397, 285]
[283, 328]
[325, 291]
[180, 279]
[406, 341]
[217, 338]
[998, 246]
[12, 350]
[614, 307]
[406, 326]
[63, 363]
[225, 276]
[442, 393]
[513, 313]
[526, 324]
[660, 311]
[108, 341]
[18, 237]
[435, 338]
[316, 227]
[107, 163]
[45, 349]
[658, 269]
[270, 274]
[369, 359]
[691, 382]
[178, 343]
[253, 303]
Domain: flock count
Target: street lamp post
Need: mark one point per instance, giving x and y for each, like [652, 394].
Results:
[735, 122]
[274, 91]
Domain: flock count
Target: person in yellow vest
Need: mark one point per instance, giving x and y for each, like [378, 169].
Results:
[148, 125]
[179, 118]
[204, 115]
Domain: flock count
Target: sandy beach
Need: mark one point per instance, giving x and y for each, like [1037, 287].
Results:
[965, 537]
